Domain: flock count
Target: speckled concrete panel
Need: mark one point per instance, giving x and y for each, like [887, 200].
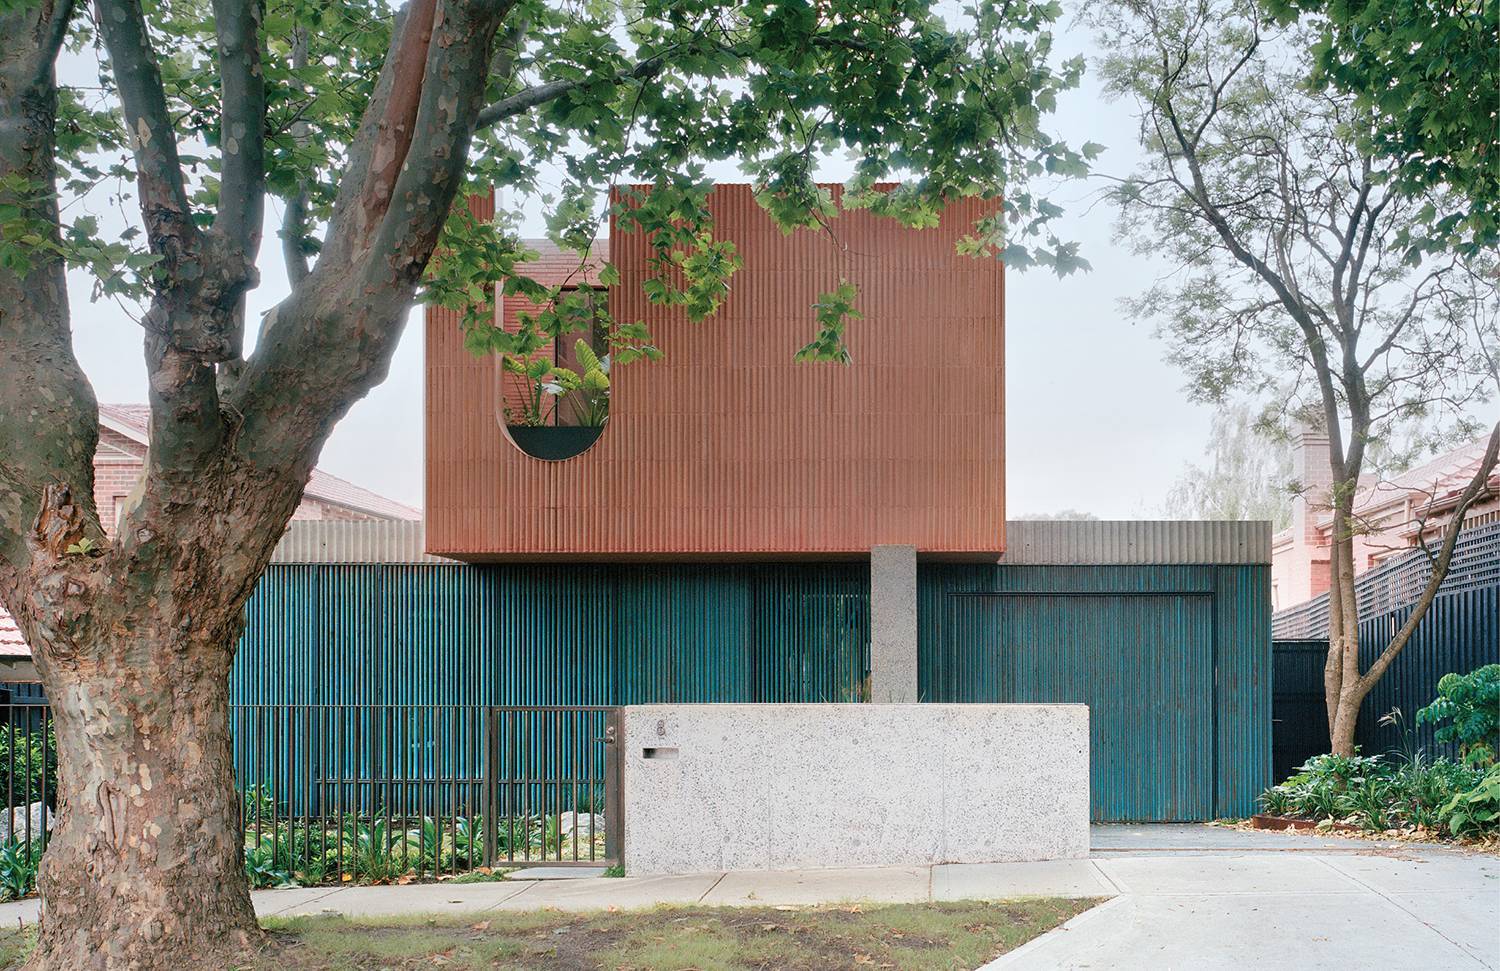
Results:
[1019, 769]
[893, 624]
[749, 787]
[842, 794]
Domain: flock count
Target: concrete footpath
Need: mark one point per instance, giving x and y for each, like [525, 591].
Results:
[1180, 897]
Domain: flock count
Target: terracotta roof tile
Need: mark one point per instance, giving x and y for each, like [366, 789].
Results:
[332, 489]
[12, 644]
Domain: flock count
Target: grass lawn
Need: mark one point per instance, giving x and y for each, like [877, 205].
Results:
[960, 935]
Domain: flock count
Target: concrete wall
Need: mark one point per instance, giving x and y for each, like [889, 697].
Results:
[893, 624]
[750, 787]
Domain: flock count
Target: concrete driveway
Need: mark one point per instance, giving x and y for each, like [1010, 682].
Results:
[1195, 897]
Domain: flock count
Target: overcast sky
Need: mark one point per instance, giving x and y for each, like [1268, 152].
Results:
[1096, 420]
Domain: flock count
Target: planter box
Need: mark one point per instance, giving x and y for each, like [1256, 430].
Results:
[1281, 822]
[554, 442]
[1291, 822]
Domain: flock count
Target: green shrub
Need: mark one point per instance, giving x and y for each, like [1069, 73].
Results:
[264, 862]
[1467, 711]
[18, 866]
[1477, 811]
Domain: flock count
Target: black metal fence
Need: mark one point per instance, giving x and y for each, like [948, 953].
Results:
[1460, 632]
[383, 792]
[28, 757]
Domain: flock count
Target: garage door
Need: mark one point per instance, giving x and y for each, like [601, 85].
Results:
[1144, 665]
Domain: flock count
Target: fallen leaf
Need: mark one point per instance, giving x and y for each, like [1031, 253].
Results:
[483, 925]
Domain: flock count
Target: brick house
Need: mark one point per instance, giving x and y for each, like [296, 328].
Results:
[122, 453]
[117, 469]
[1396, 515]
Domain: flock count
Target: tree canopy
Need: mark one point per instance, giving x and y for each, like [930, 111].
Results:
[580, 96]
[1424, 79]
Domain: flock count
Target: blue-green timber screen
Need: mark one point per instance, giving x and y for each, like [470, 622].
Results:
[1174, 662]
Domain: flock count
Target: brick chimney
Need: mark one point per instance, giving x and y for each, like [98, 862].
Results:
[1308, 575]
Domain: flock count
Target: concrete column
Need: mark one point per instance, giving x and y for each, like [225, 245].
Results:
[893, 624]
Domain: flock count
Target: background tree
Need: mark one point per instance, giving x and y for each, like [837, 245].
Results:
[1248, 476]
[1283, 231]
[1426, 73]
[368, 125]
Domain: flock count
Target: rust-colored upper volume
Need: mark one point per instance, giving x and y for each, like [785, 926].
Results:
[727, 448]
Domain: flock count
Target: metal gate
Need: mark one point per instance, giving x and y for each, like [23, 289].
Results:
[552, 792]
[1299, 712]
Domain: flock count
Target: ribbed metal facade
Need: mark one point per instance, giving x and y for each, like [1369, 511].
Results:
[367, 541]
[1173, 661]
[728, 447]
[1139, 542]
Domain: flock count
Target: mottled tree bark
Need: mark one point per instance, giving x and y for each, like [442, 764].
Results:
[145, 866]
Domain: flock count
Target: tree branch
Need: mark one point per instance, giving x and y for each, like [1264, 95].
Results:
[1473, 492]
[539, 94]
[294, 227]
[148, 124]
[49, 422]
[57, 16]
[243, 123]
[350, 312]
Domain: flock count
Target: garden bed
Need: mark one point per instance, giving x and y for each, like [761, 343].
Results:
[1403, 798]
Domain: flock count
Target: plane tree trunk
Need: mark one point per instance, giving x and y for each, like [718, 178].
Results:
[145, 864]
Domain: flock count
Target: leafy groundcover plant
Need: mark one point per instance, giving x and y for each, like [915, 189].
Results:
[1380, 793]
[281, 852]
[1408, 791]
[1476, 813]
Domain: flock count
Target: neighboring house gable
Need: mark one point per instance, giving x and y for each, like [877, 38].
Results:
[122, 453]
[1394, 515]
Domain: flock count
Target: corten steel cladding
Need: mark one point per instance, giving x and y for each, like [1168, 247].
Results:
[729, 447]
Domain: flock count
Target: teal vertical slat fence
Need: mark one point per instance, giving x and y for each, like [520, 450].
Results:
[1173, 662]
[578, 634]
